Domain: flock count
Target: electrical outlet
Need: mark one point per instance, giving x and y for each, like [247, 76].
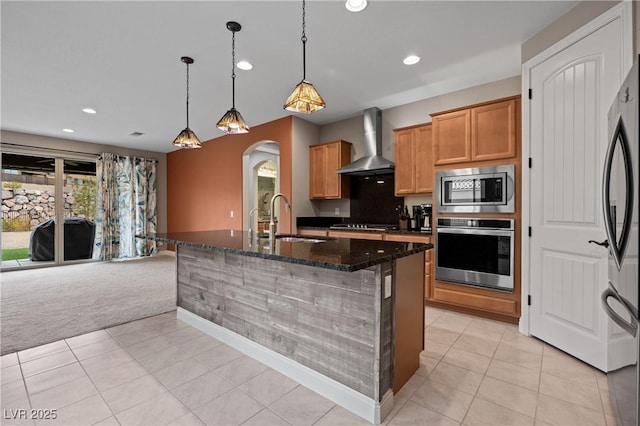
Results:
[231, 213]
[337, 211]
[387, 286]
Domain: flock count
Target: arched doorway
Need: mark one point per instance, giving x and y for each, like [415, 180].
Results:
[260, 178]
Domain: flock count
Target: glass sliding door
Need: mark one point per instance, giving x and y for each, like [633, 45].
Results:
[28, 209]
[79, 209]
[48, 210]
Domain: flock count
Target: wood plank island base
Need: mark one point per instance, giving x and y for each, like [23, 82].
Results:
[343, 317]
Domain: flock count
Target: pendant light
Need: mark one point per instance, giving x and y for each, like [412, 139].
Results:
[186, 138]
[232, 122]
[304, 98]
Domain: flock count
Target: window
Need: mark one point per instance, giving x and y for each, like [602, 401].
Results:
[38, 192]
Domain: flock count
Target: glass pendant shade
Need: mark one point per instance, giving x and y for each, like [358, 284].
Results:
[187, 139]
[304, 99]
[233, 123]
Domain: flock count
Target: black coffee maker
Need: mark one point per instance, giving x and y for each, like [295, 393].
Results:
[417, 220]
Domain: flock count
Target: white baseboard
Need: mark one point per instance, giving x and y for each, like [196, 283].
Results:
[359, 404]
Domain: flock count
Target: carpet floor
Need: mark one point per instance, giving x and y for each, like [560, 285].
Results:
[40, 306]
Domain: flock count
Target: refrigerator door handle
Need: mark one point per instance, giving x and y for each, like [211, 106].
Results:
[618, 247]
[630, 327]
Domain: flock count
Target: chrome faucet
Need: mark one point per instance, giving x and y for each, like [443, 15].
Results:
[272, 224]
[252, 211]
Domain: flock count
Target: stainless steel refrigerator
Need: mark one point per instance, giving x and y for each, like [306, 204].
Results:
[620, 204]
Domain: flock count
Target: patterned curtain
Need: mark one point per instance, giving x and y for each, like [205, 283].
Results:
[126, 201]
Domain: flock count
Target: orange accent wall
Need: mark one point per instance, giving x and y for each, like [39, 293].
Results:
[204, 185]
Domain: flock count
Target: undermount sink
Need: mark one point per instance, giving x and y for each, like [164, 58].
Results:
[299, 239]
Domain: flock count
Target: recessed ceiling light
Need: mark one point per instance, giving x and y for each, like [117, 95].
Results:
[355, 5]
[411, 60]
[244, 65]
[89, 110]
[68, 130]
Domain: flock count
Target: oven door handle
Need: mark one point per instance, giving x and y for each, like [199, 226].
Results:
[491, 232]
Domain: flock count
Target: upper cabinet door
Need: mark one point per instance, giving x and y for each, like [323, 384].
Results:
[493, 131]
[424, 159]
[324, 160]
[316, 171]
[452, 137]
[332, 179]
[414, 160]
[405, 179]
[478, 133]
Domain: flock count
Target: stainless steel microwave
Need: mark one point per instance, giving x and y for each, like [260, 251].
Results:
[478, 190]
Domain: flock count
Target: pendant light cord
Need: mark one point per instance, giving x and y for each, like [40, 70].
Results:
[187, 96]
[233, 70]
[304, 44]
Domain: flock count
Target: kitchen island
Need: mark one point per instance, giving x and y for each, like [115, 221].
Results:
[344, 317]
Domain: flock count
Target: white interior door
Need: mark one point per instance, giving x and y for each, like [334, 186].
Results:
[571, 94]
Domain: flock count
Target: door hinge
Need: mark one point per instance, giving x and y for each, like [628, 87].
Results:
[530, 94]
[529, 231]
[529, 300]
[530, 162]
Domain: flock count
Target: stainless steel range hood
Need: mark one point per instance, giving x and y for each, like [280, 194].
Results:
[372, 162]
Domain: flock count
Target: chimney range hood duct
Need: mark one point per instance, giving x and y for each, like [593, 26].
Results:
[372, 162]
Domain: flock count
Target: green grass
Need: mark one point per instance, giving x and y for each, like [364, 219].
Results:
[15, 254]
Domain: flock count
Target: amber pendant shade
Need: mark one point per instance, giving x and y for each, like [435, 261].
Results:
[187, 139]
[304, 99]
[233, 123]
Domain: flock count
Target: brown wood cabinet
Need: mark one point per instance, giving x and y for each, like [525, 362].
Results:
[452, 137]
[427, 256]
[413, 160]
[405, 238]
[324, 160]
[313, 232]
[355, 234]
[486, 134]
[409, 320]
[478, 133]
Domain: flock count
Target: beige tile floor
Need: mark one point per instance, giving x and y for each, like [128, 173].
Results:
[160, 370]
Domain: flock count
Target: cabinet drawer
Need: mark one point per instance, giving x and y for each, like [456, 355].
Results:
[406, 238]
[313, 232]
[356, 235]
[476, 301]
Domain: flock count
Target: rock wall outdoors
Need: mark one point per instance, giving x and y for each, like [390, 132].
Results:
[33, 206]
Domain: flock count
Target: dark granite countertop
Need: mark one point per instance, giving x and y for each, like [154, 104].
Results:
[342, 254]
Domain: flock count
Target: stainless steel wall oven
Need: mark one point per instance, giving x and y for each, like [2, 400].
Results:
[476, 252]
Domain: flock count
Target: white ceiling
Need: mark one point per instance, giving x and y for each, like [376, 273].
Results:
[123, 59]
